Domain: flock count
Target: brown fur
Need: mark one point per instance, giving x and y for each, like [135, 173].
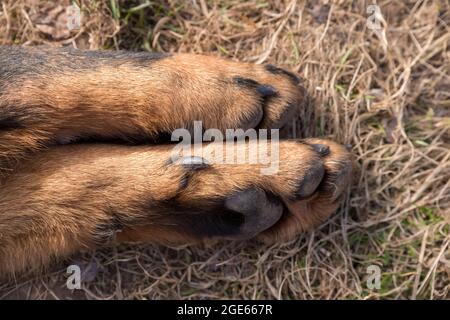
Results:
[68, 94]
[56, 200]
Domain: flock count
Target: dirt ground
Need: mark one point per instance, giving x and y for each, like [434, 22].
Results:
[380, 83]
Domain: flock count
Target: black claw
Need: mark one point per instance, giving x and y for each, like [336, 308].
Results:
[266, 91]
[321, 149]
[263, 90]
[275, 70]
[310, 182]
[191, 162]
[246, 82]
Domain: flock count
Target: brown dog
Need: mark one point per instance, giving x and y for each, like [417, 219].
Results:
[59, 195]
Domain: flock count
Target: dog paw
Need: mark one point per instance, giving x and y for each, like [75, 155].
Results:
[224, 94]
[240, 201]
[305, 213]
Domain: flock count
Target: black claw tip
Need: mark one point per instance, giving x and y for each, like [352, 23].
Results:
[321, 149]
[266, 91]
[246, 82]
[310, 181]
[275, 70]
[191, 162]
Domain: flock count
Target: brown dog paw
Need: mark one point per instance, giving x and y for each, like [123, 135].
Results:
[225, 94]
[238, 201]
[306, 213]
[104, 95]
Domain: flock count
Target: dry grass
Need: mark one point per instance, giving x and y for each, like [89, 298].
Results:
[387, 94]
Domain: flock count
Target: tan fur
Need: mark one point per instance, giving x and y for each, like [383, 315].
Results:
[56, 200]
[128, 100]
